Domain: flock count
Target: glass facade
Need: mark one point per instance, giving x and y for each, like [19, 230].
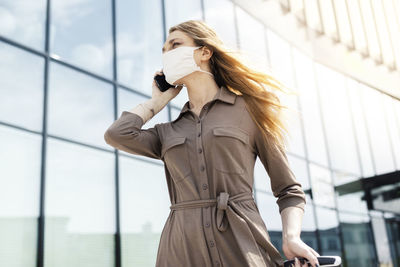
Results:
[69, 69]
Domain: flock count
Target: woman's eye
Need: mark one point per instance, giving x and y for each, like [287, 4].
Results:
[173, 45]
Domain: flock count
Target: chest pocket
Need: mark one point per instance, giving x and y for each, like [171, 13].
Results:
[230, 144]
[175, 154]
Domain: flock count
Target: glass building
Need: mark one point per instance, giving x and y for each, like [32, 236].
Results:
[69, 68]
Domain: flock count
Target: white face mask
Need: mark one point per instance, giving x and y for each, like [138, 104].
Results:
[180, 62]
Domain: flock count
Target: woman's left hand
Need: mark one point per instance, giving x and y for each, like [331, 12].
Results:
[295, 247]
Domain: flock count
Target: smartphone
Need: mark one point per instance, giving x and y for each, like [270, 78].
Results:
[323, 261]
[162, 84]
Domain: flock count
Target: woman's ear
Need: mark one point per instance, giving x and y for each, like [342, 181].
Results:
[206, 53]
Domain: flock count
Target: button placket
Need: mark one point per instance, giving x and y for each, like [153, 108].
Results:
[205, 194]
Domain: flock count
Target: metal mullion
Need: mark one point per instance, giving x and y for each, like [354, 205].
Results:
[164, 30]
[117, 235]
[41, 219]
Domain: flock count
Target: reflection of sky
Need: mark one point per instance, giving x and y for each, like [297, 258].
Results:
[305, 81]
[21, 88]
[81, 34]
[80, 185]
[80, 107]
[139, 42]
[23, 21]
[250, 30]
[219, 15]
[335, 109]
[144, 196]
[322, 186]
[20, 173]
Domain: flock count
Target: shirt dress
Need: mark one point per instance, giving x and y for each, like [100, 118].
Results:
[209, 163]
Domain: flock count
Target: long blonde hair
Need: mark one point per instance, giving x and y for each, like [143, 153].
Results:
[229, 70]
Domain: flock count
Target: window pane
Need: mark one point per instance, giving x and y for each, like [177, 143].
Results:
[178, 11]
[19, 196]
[393, 127]
[252, 39]
[139, 42]
[280, 56]
[357, 238]
[382, 240]
[346, 194]
[81, 34]
[145, 205]
[80, 206]
[377, 129]
[328, 227]
[360, 127]
[322, 188]
[80, 107]
[337, 119]
[219, 15]
[21, 81]
[23, 21]
[309, 108]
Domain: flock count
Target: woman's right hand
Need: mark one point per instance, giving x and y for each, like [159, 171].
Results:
[166, 96]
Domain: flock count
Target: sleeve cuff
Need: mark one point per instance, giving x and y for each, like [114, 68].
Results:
[291, 202]
[133, 117]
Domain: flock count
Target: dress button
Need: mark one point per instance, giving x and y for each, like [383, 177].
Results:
[199, 134]
[205, 186]
[202, 168]
[200, 150]
[198, 121]
[207, 224]
[212, 243]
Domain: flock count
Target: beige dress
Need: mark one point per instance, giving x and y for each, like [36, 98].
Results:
[209, 163]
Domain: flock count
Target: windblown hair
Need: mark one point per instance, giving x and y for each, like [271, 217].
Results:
[230, 71]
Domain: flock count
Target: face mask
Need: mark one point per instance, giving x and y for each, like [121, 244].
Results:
[180, 62]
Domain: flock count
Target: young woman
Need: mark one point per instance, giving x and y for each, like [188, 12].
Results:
[209, 152]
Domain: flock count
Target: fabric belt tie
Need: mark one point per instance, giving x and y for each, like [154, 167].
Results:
[246, 233]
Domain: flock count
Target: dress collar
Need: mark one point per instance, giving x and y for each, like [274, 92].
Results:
[223, 94]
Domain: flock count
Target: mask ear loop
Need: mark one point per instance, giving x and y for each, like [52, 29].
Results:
[198, 67]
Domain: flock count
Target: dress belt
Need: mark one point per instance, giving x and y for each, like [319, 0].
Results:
[248, 235]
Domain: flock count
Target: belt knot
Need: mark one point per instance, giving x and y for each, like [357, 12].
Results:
[222, 201]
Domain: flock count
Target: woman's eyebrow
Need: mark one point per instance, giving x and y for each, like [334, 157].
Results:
[170, 41]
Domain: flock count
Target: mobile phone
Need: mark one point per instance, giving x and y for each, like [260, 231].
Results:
[323, 261]
[162, 84]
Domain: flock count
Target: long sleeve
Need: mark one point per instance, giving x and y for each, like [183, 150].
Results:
[284, 185]
[126, 134]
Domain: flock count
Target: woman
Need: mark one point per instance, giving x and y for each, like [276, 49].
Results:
[209, 152]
